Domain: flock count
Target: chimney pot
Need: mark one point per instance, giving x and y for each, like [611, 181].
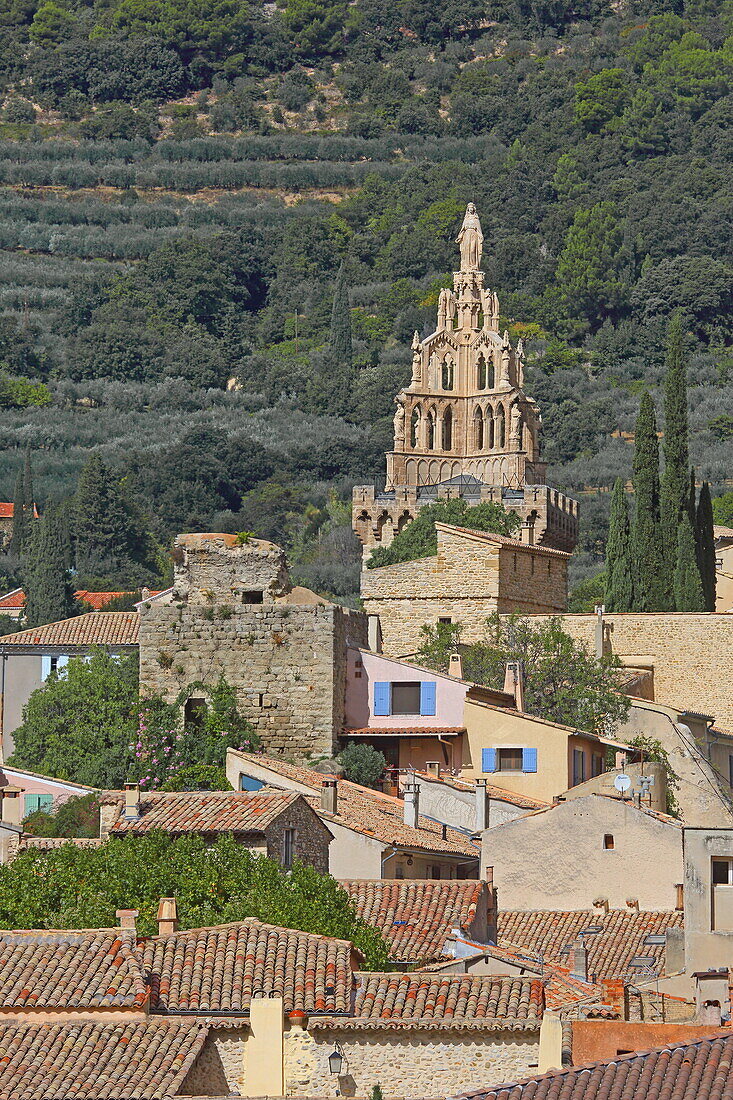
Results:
[411, 801]
[482, 815]
[127, 918]
[132, 801]
[680, 888]
[514, 683]
[633, 903]
[12, 806]
[579, 961]
[167, 916]
[489, 876]
[329, 796]
[455, 666]
[601, 903]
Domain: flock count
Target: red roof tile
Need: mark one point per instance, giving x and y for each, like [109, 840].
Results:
[681, 1071]
[545, 933]
[218, 969]
[96, 1061]
[426, 1000]
[501, 540]
[500, 794]
[404, 731]
[70, 970]
[7, 510]
[201, 811]
[13, 601]
[116, 628]
[371, 812]
[416, 916]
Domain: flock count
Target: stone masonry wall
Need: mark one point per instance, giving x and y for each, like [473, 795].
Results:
[219, 1068]
[311, 836]
[287, 663]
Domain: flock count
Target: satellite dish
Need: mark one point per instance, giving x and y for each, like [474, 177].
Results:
[622, 783]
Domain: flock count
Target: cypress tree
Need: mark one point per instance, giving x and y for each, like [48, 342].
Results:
[20, 528]
[705, 542]
[675, 479]
[49, 595]
[688, 590]
[106, 534]
[28, 494]
[340, 337]
[650, 589]
[619, 591]
[331, 387]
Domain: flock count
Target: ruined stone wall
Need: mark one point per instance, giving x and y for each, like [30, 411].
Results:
[286, 663]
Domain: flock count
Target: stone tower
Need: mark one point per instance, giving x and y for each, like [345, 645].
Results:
[464, 427]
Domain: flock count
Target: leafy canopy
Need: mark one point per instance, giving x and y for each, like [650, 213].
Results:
[420, 540]
[564, 682]
[83, 888]
[362, 764]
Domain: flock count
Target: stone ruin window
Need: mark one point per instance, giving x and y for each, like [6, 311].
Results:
[253, 595]
[447, 374]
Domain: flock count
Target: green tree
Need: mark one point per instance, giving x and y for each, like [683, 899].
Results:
[589, 268]
[340, 336]
[332, 384]
[600, 98]
[619, 592]
[650, 589]
[419, 539]
[81, 723]
[675, 486]
[20, 531]
[723, 510]
[74, 887]
[564, 682]
[78, 816]
[110, 538]
[705, 545]
[362, 764]
[49, 594]
[587, 594]
[688, 590]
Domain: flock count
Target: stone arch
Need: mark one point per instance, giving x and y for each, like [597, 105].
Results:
[491, 373]
[481, 372]
[478, 429]
[500, 432]
[411, 471]
[446, 429]
[415, 427]
[403, 519]
[423, 473]
[447, 374]
[362, 526]
[385, 529]
[490, 433]
[434, 472]
[455, 469]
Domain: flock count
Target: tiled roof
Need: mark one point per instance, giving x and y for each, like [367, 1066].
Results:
[497, 793]
[502, 540]
[371, 812]
[416, 916]
[7, 510]
[93, 628]
[546, 933]
[218, 969]
[201, 811]
[148, 1060]
[681, 1071]
[48, 843]
[15, 600]
[70, 970]
[426, 1000]
[404, 731]
[12, 601]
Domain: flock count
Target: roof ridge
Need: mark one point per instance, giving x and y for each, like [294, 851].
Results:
[249, 922]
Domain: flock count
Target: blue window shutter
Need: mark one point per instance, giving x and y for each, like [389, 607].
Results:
[45, 801]
[30, 804]
[427, 697]
[45, 668]
[488, 760]
[382, 698]
[529, 760]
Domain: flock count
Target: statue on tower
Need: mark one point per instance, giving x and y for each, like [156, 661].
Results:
[471, 240]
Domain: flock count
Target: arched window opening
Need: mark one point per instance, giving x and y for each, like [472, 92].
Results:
[447, 440]
[478, 430]
[490, 426]
[415, 427]
[446, 374]
[491, 375]
[500, 428]
[481, 373]
[431, 431]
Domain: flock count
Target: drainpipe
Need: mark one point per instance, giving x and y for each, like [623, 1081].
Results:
[600, 610]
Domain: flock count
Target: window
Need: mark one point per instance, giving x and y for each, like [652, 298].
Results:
[481, 373]
[723, 872]
[447, 430]
[721, 908]
[596, 764]
[254, 595]
[435, 871]
[730, 768]
[35, 801]
[288, 848]
[408, 697]
[446, 619]
[608, 842]
[247, 783]
[509, 760]
[578, 766]
[194, 712]
[446, 375]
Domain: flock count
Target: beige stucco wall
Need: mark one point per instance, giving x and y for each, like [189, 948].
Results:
[488, 726]
[556, 859]
[22, 677]
[707, 948]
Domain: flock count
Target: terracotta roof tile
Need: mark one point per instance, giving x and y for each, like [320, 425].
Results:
[201, 811]
[118, 628]
[218, 969]
[7, 510]
[501, 540]
[427, 1000]
[416, 916]
[96, 1061]
[681, 1071]
[13, 600]
[498, 793]
[70, 970]
[545, 933]
[370, 812]
[403, 731]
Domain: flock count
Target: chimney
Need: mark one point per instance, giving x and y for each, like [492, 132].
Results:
[601, 903]
[489, 875]
[620, 763]
[633, 904]
[167, 916]
[614, 995]
[482, 806]
[411, 798]
[514, 683]
[329, 796]
[579, 961]
[127, 918]
[12, 806]
[132, 801]
[455, 666]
